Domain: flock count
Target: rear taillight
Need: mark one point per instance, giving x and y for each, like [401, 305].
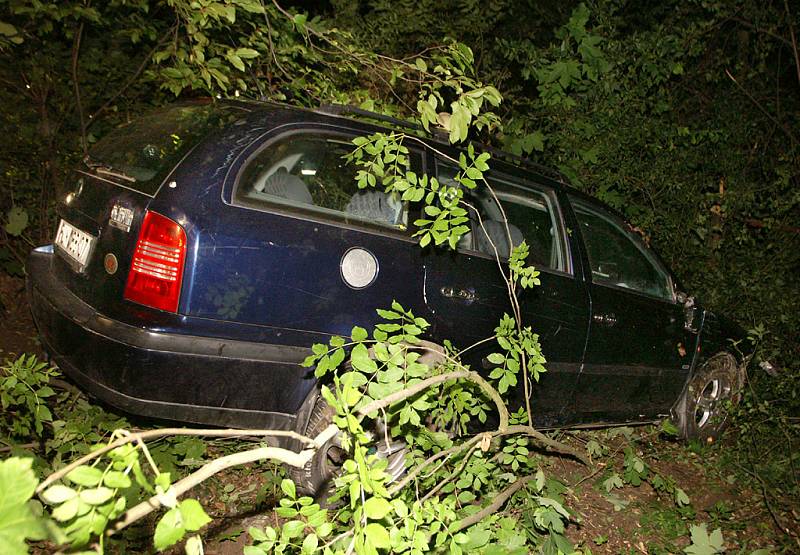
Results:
[157, 267]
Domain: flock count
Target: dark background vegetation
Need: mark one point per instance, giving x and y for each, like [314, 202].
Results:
[682, 114]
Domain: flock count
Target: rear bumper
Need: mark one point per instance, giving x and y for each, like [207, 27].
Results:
[165, 375]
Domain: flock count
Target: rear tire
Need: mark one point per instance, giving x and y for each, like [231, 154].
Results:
[703, 411]
[316, 478]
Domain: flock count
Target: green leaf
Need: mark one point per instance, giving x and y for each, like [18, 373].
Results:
[292, 529]
[87, 476]
[300, 20]
[247, 53]
[310, 544]
[377, 535]
[594, 448]
[17, 520]
[361, 360]
[57, 494]
[117, 480]
[288, 488]
[193, 515]
[681, 498]
[236, 61]
[669, 427]
[8, 30]
[704, 543]
[613, 481]
[377, 508]
[359, 334]
[96, 496]
[17, 221]
[169, 530]
[172, 73]
[496, 358]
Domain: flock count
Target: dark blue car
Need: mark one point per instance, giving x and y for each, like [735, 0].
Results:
[204, 247]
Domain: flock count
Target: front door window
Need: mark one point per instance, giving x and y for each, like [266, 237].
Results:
[617, 257]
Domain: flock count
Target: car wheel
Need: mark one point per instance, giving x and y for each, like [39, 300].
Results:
[316, 478]
[703, 410]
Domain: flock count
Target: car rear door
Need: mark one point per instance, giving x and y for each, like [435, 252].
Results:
[467, 296]
[299, 251]
[640, 350]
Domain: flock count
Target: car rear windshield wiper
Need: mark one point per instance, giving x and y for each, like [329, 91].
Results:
[105, 169]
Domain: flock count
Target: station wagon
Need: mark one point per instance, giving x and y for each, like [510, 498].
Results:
[204, 247]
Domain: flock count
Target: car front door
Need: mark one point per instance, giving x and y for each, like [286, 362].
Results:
[639, 350]
[467, 296]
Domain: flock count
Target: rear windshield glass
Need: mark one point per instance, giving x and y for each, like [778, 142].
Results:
[149, 147]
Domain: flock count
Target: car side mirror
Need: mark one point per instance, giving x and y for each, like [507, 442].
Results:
[689, 310]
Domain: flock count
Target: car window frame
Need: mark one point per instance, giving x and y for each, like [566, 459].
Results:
[622, 225]
[524, 186]
[313, 213]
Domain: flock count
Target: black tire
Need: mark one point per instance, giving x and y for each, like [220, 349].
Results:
[316, 478]
[702, 412]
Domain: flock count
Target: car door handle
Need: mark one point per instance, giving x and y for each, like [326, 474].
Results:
[607, 320]
[467, 295]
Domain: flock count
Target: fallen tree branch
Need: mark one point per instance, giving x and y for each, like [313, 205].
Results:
[180, 487]
[551, 444]
[151, 434]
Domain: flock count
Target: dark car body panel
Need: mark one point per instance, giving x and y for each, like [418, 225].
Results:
[161, 373]
[261, 285]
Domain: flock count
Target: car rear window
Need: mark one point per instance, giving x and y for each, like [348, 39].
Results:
[146, 149]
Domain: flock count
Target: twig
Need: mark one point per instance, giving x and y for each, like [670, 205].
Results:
[271, 45]
[453, 474]
[7, 448]
[498, 501]
[130, 79]
[76, 47]
[424, 384]
[413, 473]
[763, 110]
[794, 39]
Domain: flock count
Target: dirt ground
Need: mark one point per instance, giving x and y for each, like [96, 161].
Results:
[17, 332]
[629, 520]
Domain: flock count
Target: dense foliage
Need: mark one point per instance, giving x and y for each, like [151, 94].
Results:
[683, 116]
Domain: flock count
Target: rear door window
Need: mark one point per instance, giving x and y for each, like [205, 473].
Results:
[308, 173]
[531, 215]
[617, 257]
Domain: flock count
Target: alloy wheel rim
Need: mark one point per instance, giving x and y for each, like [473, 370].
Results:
[714, 392]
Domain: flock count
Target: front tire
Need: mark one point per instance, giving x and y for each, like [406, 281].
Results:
[703, 411]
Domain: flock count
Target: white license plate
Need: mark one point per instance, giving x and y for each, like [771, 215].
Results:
[74, 244]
